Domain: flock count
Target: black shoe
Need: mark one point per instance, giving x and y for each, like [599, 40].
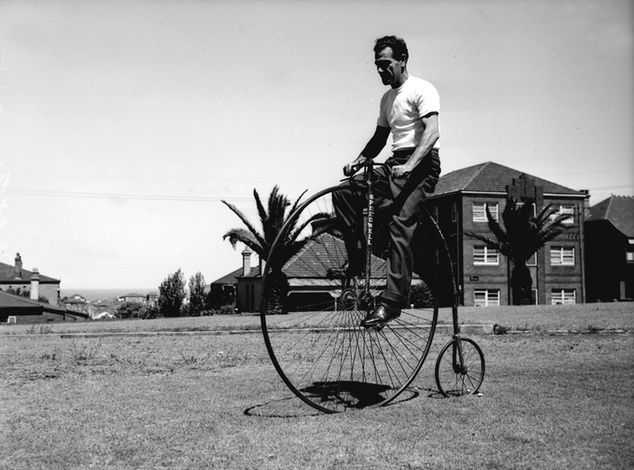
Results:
[380, 316]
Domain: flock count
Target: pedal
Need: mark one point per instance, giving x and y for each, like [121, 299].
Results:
[378, 327]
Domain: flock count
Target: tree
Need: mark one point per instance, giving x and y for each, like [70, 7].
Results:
[260, 242]
[197, 298]
[522, 235]
[131, 310]
[171, 295]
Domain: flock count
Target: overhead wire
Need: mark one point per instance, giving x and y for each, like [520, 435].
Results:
[118, 196]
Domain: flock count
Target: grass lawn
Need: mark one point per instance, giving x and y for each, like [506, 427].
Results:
[204, 401]
[581, 318]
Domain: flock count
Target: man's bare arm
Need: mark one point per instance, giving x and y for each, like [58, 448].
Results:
[429, 137]
[371, 149]
[376, 143]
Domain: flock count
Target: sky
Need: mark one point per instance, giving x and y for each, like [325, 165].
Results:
[123, 124]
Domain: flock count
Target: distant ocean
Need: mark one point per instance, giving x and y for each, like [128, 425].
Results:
[104, 294]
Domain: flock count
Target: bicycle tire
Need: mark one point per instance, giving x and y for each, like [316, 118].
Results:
[454, 378]
[318, 347]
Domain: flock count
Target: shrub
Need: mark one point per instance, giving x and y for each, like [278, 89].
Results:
[131, 310]
[224, 310]
[151, 312]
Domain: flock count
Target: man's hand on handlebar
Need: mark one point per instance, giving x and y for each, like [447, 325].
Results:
[351, 168]
[397, 171]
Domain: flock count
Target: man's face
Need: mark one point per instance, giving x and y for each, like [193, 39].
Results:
[389, 68]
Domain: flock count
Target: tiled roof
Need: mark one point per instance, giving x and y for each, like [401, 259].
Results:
[312, 262]
[8, 275]
[492, 177]
[232, 277]
[316, 257]
[619, 210]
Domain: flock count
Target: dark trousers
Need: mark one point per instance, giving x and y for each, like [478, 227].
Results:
[394, 227]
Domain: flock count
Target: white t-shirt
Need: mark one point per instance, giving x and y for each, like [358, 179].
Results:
[402, 109]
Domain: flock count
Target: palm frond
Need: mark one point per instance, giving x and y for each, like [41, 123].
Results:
[277, 205]
[550, 233]
[272, 217]
[546, 213]
[325, 220]
[243, 236]
[297, 201]
[486, 240]
[246, 222]
[287, 218]
[258, 202]
[557, 222]
[495, 226]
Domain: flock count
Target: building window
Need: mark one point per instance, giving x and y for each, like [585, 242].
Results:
[532, 261]
[565, 210]
[453, 212]
[629, 256]
[480, 211]
[563, 297]
[484, 255]
[486, 297]
[562, 256]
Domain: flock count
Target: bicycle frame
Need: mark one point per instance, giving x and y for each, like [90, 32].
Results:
[369, 177]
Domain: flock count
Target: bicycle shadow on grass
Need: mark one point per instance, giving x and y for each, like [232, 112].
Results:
[362, 396]
[284, 408]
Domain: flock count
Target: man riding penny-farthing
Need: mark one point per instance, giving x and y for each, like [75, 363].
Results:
[348, 338]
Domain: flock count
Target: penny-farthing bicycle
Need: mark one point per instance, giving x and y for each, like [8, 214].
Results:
[317, 344]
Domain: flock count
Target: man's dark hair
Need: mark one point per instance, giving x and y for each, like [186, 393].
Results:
[399, 48]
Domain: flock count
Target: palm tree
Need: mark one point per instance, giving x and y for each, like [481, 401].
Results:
[523, 234]
[261, 242]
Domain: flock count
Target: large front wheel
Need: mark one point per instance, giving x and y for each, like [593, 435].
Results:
[312, 312]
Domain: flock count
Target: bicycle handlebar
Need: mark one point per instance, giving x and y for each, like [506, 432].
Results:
[354, 169]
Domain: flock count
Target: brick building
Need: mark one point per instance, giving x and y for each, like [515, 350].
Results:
[459, 205]
[610, 250]
[241, 288]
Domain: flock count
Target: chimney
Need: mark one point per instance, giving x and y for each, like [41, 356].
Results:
[246, 261]
[18, 266]
[35, 285]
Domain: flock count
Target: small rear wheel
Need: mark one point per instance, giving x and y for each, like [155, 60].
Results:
[460, 368]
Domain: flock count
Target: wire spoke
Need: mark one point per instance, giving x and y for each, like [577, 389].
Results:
[318, 347]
